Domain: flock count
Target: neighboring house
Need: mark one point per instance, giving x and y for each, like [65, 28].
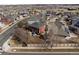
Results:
[2, 25]
[36, 25]
[6, 20]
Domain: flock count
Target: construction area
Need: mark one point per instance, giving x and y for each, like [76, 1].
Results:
[45, 30]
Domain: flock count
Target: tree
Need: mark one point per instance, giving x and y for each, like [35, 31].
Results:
[20, 24]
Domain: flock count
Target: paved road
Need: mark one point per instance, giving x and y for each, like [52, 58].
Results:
[4, 36]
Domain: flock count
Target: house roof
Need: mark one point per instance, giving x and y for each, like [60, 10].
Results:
[37, 24]
[35, 21]
[34, 18]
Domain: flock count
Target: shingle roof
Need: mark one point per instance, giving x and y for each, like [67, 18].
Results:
[35, 21]
[33, 18]
[37, 24]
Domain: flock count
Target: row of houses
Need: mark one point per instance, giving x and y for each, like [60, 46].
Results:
[4, 21]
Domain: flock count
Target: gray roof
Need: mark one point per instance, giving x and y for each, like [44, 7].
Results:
[34, 18]
[36, 25]
[35, 22]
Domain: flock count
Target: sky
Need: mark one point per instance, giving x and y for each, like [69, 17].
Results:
[13, 2]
